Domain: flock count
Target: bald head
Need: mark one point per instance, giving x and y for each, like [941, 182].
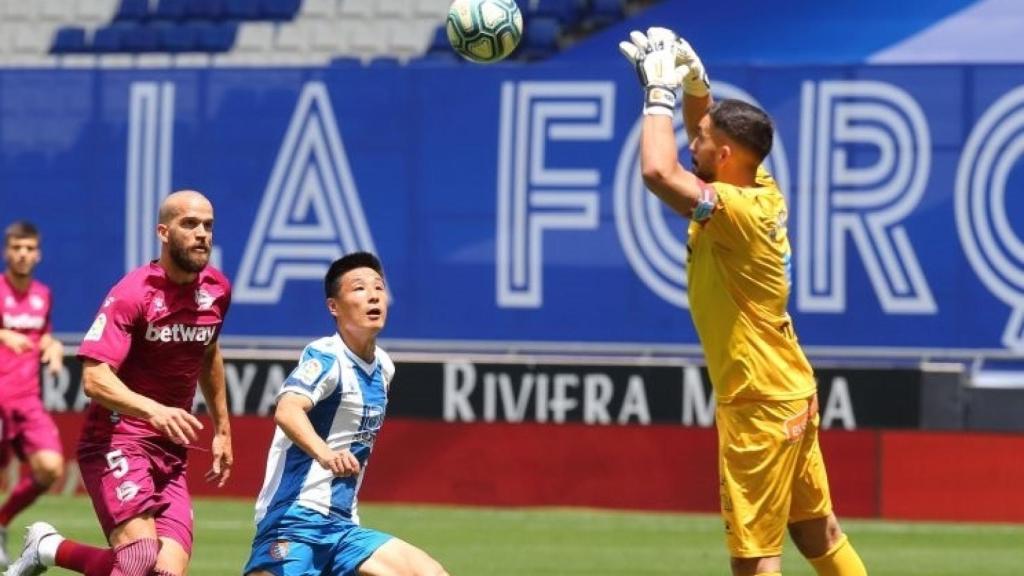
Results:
[179, 202]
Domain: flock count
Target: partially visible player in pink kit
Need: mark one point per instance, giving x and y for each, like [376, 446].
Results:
[25, 342]
[155, 335]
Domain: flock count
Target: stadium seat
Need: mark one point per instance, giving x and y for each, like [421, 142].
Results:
[384, 62]
[216, 37]
[280, 10]
[319, 9]
[69, 40]
[392, 8]
[108, 39]
[141, 38]
[169, 10]
[132, 10]
[346, 62]
[605, 12]
[243, 9]
[569, 13]
[95, 11]
[182, 38]
[540, 39]
[439, 41]
[204, 9]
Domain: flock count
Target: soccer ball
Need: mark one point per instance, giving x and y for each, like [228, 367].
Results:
[484, 30]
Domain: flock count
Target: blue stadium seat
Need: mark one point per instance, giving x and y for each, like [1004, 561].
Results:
[68, 40]
[569, 13]
[280, 9]
[604, 12]
[243, 9]
[141, 38]
[132, 10]
[109, 38]
[181, 38]
[346, 62]
[540, 39]
[204, 9]
[216, 37]
[439, 43]
[169, 10]
[384, 62]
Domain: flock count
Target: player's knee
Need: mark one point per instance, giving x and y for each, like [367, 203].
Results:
[45, 476]
[816, 537]
[136, 558]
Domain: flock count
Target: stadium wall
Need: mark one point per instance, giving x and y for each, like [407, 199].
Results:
[613, 436]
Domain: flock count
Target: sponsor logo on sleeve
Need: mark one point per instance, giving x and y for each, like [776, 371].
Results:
[96, 330]
[307, 372]
[279, 549]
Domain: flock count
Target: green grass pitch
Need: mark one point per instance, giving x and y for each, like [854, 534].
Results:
[556, 541]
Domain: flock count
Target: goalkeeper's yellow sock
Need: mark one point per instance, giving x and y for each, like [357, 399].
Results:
[841, 560]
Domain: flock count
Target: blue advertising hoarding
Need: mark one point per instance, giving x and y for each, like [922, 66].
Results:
[506, 201]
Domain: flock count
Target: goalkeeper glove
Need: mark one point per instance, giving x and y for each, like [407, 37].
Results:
[654, 56]
[695, 82]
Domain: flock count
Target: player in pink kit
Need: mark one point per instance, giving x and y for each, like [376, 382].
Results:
[154, 337]
[25, 342]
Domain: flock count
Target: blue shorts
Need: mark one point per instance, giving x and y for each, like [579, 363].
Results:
[306, 543]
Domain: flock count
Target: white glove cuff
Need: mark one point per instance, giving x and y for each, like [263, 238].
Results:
[659, 100]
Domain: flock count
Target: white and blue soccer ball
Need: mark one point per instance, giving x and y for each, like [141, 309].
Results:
[484, 30]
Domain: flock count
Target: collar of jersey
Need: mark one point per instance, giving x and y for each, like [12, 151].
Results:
[359, 362]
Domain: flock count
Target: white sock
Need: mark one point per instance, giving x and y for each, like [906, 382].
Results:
[48, 548]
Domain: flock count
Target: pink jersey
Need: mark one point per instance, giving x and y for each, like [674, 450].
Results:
[153, 333]
[28, 313]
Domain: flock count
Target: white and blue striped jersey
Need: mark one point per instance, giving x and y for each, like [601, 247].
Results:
[349, 399]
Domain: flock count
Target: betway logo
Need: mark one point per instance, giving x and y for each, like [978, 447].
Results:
[23, 321]
[180, 333]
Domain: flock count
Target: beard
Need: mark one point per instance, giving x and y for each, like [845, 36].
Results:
[187, 260]
[703, 173]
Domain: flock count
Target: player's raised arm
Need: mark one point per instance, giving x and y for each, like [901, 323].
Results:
[696, 86]
[211, 383]
[657, 60]
[291, 416]
[102, 385]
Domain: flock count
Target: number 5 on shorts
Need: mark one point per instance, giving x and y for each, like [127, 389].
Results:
[117, 462]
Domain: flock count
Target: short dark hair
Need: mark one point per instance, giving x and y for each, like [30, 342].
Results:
[745, 124]
[20, 229]
[332, 280]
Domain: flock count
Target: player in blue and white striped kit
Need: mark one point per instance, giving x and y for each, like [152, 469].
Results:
[328, 414]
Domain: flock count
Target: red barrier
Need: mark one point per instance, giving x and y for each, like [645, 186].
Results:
[952, 476]
[899, 475]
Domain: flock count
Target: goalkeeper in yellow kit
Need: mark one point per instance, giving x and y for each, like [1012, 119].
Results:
[772, 475]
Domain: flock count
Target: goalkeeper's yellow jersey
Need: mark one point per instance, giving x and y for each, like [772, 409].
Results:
[738, 276]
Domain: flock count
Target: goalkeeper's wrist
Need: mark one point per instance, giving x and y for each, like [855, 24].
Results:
[659, 101]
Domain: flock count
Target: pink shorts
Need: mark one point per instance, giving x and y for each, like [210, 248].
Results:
[26, 428]
[128, 478]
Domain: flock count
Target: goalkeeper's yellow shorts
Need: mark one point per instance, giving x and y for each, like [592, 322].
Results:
[771, 472]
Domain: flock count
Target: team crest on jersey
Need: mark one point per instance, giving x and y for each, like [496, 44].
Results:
[158, 305]
[279, 549]
[10, 302]
[203, 299]
[96, 330]
[36, 302]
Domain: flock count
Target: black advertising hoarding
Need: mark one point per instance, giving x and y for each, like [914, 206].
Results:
[596, 394]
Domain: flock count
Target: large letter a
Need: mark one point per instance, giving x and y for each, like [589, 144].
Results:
[310, 214]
